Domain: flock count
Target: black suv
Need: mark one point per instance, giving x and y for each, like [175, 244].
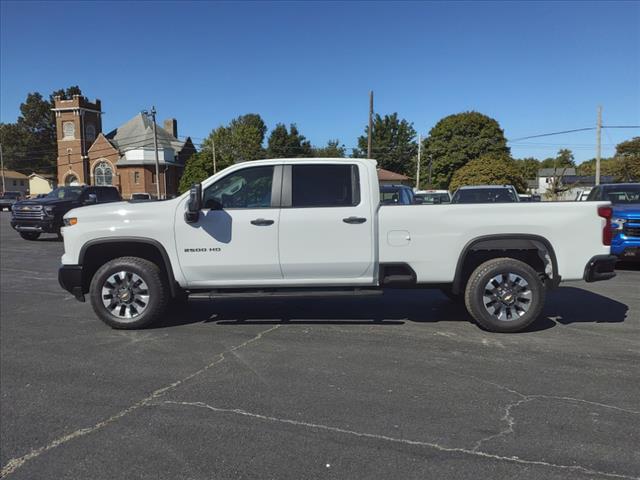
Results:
[30, 218]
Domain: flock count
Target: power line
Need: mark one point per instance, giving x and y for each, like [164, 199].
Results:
[552, 133]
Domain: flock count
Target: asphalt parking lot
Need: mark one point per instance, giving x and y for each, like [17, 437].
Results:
[400, 386]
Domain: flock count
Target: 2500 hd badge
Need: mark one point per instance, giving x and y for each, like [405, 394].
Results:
[202, 250]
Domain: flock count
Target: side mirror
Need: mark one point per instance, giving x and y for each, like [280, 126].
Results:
[194, 204]
[91, 199]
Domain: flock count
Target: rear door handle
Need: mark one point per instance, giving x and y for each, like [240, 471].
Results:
[261, 222]
[354, 220]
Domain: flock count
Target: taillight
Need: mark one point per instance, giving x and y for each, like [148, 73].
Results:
[607, 232]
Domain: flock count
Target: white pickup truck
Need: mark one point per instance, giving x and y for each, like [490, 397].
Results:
[316, 227]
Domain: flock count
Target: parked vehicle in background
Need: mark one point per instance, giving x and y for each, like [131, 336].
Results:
[486, 194]
[583, 195]
[140, 196]
[625, 221]
[30, 218]
[396, 195]
[433, 196]
[315, 227]
[8, 199]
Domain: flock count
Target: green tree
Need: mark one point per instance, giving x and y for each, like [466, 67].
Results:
[628, 154]
[30, 143]
[489, 169]
[563, 159]
[198, 168]
[457, 139]
[528, 167]
[287, 144]
[333, 149]
[240, 141]
[393, 144]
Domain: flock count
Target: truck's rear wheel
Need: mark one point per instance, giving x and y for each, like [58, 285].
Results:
[128, 293]
[504, 295]
[30, 235]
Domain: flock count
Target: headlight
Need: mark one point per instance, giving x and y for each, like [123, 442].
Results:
[49, 210]
[70, 221]
[618, 223]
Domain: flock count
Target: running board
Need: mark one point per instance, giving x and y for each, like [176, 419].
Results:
[231, 293]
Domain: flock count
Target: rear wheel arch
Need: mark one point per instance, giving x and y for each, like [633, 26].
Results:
[97, 252]
[534, 250]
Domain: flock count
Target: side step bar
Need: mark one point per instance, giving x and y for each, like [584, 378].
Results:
[284, 292]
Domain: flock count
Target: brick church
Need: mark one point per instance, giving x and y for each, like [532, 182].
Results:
[124, 157]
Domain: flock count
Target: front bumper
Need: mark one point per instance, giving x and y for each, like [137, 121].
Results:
[70, 278]
[626, 247]
[41, 226]
[600, 267]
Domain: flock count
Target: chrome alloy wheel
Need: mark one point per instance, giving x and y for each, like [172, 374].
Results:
[125, 295]
[507, 297]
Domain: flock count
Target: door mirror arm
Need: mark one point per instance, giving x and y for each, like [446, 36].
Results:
[194, 204]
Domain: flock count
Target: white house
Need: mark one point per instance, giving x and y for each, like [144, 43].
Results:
[40, 183]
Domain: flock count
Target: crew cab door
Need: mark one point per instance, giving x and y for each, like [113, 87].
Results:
[326, 225]
[235, 240]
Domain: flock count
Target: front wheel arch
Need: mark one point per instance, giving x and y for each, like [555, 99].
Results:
[97, 252]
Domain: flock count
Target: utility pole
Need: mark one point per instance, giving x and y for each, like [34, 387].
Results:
[155, 145]
[370, 139]
[2, 168]
[419, 159]
[213, 150]
[598, 144]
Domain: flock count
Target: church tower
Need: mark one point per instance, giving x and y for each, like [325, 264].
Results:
[78, 123]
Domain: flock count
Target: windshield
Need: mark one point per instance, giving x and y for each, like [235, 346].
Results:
[65, 193]
[12, 195]
[434, 197]
[622, 194]
[484, 195]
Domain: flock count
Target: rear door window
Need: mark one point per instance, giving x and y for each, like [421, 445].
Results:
[324, 186]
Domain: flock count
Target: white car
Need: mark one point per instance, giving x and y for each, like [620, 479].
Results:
[316, 227]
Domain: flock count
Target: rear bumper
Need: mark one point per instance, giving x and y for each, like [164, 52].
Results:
[70, 278]
[600, 267]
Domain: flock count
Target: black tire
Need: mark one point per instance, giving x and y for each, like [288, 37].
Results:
[30, 235]
[156, 289]
[520, 303]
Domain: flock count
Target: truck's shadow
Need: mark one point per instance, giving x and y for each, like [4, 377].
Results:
[565, 305]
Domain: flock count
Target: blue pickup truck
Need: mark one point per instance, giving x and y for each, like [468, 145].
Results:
[625, 221]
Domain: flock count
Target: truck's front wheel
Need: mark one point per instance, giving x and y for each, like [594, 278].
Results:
[504, 295]
[128, 293]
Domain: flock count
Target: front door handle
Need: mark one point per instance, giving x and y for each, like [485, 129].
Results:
[261, 222]
[354, 220]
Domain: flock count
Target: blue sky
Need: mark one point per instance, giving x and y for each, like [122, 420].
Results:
[536, 67]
